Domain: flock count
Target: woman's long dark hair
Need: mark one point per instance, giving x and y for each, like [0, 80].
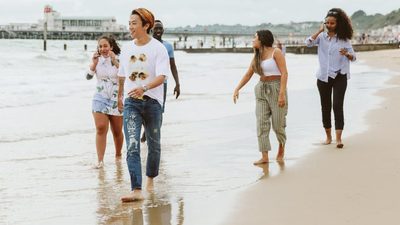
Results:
[113, 43]
[344, 29]
[267, 40]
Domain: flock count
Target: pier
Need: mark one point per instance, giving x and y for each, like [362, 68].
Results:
[300, 49]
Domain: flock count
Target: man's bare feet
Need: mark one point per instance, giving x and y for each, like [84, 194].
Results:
[150, 184]
[281, 153]
[135, 195]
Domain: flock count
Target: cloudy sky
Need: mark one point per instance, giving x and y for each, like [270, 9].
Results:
[191, 12]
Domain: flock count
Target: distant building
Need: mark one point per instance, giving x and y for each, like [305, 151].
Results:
[56, 22]
[69, 28]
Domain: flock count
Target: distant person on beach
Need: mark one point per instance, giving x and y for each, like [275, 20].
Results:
[158, 31]
[334, 53]
[270, 92]
[104, 105]
[143, 69]
[282, 47]
[363, 38]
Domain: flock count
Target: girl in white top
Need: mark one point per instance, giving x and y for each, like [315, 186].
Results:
[105, 65]
[271, 97]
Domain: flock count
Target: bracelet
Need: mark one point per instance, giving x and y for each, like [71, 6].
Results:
[145, 88]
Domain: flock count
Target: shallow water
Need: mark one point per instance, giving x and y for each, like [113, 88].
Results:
[208, 143]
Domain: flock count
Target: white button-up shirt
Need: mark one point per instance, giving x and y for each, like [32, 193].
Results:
[331, 62]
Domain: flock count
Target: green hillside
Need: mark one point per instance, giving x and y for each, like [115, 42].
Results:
[361, 21]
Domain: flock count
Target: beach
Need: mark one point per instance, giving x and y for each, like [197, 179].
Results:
[355, 185]
[208, 145]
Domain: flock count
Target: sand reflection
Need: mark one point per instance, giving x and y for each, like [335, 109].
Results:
[157, 208]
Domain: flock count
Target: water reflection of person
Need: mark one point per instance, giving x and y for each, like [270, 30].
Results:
[266, 168]
[157, 212]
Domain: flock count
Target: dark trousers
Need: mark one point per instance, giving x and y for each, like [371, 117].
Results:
[338, 87]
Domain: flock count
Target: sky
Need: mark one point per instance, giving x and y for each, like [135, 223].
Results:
[176, 13]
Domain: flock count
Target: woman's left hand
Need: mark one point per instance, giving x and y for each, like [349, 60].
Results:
[281, 100]
[343, 51]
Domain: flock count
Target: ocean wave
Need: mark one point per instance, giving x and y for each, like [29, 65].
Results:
[24, 105]
[45, 57]
[39, 136]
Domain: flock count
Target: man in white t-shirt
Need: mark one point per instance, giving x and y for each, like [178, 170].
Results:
[144, 65]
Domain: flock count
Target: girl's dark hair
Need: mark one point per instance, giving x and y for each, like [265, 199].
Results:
[113, 43]
[267, 40]
[344, 29]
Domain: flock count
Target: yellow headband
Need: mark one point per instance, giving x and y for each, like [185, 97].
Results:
[146, 16]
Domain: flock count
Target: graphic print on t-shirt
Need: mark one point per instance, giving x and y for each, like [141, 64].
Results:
[137, 67]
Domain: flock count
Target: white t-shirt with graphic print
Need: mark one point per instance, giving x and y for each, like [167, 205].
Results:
[141, 64]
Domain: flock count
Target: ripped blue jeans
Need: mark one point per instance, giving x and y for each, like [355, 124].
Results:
[147, 112]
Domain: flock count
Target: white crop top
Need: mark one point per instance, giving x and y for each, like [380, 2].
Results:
[270, 67]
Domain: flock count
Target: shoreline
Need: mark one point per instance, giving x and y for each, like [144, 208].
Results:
[296, 49]
[356, 185]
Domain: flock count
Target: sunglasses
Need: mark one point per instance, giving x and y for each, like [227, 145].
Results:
[332, 13]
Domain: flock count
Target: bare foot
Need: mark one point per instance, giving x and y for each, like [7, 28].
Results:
[99, 165]
[280, 156]
[328, 136]
[150, 184]
[339, 144]
[261, 161]
[328, 141]
[135, 195]
[281, 153]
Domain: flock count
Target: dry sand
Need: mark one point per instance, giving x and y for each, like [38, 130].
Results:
[358, 185]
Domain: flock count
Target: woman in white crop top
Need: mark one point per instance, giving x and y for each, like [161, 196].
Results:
[271, 96]
[104, 105]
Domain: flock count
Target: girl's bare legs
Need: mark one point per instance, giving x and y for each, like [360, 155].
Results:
[101, 121]
[116, 129]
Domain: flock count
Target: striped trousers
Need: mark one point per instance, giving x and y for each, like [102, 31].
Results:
[267, 111]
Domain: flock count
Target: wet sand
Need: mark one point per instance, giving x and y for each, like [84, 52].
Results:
[357, 185]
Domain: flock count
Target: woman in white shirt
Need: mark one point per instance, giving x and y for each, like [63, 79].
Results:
[334, 53]
[105, 66]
